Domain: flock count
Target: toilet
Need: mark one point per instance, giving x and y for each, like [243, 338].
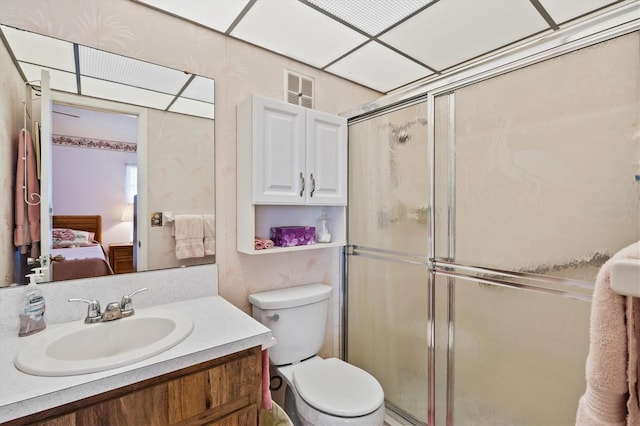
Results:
[320, 392]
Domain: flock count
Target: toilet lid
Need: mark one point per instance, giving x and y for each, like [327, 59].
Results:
[338, 388]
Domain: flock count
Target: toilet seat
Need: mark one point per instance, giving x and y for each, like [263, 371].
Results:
[335, 387]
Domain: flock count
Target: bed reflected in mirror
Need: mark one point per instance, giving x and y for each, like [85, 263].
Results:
[77, 251]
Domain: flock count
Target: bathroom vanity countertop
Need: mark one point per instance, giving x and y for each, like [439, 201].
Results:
[220, 329]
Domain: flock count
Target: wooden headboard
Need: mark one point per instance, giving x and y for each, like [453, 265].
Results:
[89, 223]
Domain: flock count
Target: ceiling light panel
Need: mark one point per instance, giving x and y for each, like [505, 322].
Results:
[565, 10]
[60, 80]
[218, 14]
[191, 107]
[201, 89]
[123, 93]
[370, 19]
[41, 50]
[378, 67]
[108, 66]
[454, 31]
[296, 30]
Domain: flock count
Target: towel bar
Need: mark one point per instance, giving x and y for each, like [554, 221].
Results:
[167, 218]
[625, 277]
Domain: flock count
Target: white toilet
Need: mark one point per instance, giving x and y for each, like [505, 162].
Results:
[325, 391]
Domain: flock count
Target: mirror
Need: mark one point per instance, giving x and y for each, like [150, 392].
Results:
[113, 115]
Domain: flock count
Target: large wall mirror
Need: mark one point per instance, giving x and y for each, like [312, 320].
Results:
[128, 139]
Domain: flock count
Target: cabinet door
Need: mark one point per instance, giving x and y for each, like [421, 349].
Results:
[326, 136]
[278, 152]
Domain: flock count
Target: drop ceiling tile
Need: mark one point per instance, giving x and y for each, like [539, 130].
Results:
[565, 10]
[38, 49]
[123, 93]
[378, 67]
[218, 14]
[296, 30]
[191, 107]
[133, 72]
[60, 80]
[453, 31]
[372, 20]
[201, 89]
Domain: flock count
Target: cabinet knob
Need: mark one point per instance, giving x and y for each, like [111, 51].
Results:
[301, 184]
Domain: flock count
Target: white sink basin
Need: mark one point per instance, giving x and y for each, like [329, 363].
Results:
[79, 348]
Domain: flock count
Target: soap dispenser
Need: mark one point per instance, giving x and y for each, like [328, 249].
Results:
[323, 228]
[33, 306]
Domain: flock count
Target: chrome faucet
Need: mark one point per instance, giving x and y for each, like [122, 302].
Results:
[126, 306]
[113, 311]
[93, 310]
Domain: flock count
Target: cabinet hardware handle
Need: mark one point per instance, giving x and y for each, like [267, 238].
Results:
[301, 184]
[313, 185]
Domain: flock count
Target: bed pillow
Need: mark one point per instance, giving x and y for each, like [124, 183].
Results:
[63, 237]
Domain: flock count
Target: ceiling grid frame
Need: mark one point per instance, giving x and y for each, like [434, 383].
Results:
[377, 55]
[154, 88]
[430, 68]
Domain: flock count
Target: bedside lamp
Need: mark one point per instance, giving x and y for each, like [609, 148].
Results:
[127, 216]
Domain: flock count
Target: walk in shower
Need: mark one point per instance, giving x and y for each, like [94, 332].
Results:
[479, 215]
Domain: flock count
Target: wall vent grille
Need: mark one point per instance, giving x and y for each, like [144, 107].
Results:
[299, 89]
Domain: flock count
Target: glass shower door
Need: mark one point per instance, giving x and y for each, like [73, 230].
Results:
[387, 294]
[532, 171]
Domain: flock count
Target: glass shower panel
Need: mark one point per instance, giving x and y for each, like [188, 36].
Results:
[518, 360]
[387, 329]
[388, 181]
[545, 159]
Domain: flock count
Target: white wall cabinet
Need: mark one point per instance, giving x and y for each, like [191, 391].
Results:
[298, 155]
[291, 163]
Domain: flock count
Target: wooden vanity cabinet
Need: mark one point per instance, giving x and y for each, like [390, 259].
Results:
[221, 392]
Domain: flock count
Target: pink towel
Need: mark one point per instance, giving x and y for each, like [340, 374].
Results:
[266, 381]
[27, 217]
[611, 396]
[263, 243]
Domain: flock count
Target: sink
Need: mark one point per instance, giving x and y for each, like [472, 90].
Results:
[79, 348]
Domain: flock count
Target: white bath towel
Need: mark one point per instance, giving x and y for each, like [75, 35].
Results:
[188, 230]
[209, 234]
[611, 397]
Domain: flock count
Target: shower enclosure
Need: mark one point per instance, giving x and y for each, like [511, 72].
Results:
[479, 216]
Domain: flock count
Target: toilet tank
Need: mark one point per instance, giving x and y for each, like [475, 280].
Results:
[297, 317]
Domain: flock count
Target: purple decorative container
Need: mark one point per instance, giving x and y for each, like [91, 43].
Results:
[292, 236]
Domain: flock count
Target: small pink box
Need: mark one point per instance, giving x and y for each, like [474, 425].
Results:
[292, 236]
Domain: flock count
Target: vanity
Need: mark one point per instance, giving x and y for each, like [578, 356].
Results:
[213, 376]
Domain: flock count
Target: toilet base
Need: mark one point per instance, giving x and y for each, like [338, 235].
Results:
[290, 405]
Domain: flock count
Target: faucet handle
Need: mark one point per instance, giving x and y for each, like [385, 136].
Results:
[93, 310]
[126, 305]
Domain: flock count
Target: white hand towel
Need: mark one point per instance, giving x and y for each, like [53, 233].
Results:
[209, 234]
[188, 230]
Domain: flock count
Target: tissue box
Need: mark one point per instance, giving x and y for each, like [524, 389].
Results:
[291, 236]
